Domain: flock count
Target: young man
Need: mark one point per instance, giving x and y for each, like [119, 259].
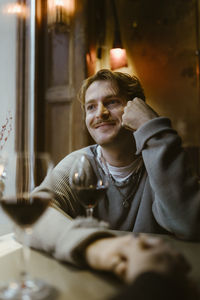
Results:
[150, 188]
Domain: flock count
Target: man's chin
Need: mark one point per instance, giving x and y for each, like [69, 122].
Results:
[105, 141]
[114, 139]
[101, 141]
[109, 138]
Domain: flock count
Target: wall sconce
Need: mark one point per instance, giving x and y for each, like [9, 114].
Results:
[59, 14]
[15, 9]
[118, 58]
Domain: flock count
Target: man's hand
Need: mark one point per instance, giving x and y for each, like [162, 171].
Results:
[136, 113]
[129, 256]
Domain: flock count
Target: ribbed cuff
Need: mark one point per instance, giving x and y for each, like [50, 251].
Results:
[80, 233]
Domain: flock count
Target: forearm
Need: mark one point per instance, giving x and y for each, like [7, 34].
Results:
[63, 238]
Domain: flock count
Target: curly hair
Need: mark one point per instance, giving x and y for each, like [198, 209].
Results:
[128, 86]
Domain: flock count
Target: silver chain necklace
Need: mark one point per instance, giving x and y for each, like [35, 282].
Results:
[136, 174]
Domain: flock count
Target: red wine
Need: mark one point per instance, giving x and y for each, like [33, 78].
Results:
[25, 211]
[89, 197]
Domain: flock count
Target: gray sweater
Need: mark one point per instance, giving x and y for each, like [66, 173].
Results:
[167, 198]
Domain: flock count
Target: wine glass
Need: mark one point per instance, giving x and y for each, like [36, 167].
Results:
[20, 173]
[88, 186]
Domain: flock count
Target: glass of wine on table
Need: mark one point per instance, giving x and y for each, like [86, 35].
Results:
[88, 186]
[20, 173]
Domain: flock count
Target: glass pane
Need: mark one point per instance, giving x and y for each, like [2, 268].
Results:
[8, 54]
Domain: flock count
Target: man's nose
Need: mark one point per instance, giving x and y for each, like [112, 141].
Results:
[102, 111]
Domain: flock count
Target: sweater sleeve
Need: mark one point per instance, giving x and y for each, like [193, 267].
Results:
[66, 239]
[57, 181]
[58, 231]
[176, 203]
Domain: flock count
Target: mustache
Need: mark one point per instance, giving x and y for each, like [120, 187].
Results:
[103, 121]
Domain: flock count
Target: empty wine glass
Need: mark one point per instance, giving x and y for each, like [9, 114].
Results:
[20, 173]
[88, 186]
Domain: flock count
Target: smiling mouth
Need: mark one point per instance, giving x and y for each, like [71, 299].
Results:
[104, 124]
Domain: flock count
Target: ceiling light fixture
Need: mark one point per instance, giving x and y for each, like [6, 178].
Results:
[118, 57]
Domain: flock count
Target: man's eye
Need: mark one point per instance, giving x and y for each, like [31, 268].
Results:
[90, 107]
[113, 102]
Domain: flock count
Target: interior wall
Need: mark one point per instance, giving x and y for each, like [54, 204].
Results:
[160, 37]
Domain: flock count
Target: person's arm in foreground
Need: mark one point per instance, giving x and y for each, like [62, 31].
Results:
[97, 247]
[64, 238]
[176, 190]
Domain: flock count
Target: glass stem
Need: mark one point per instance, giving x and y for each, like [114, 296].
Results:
[89, 212]
[25, 256]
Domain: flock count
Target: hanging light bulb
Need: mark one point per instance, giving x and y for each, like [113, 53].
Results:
[118, 57]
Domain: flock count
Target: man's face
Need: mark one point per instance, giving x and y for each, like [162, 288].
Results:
[104, 109]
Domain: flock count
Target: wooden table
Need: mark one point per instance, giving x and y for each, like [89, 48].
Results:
[75, 284]
[70, 282]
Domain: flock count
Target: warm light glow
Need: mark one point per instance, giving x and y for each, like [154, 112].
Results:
[118, 58]
[60, 11]
[118, 53]
[59, 3]
[15, 9]
[91, 61]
